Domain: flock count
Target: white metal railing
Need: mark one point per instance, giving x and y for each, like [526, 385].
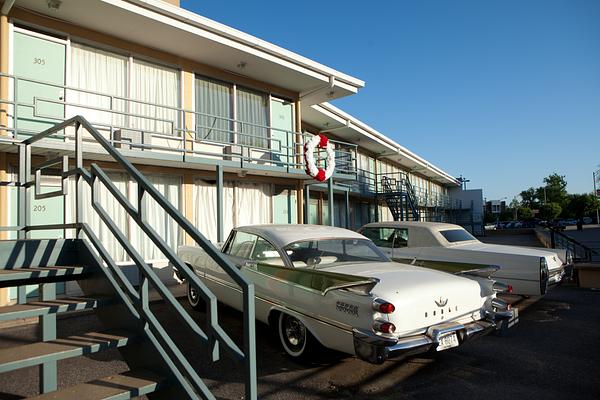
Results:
[132, 124]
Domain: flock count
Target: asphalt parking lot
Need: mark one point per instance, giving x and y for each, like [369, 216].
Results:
[554, 353]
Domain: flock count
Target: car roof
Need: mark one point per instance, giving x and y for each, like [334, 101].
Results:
[283, 234]
[420, 224]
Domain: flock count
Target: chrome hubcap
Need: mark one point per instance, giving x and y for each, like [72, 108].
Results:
[193, 294]
[294, 331]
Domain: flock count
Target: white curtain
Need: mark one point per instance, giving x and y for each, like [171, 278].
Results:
[252, 107]
[253, 203]
[110, 205]
[159, 86]
[205, 209]
[158, 219]
[213, 98]
[98, 71]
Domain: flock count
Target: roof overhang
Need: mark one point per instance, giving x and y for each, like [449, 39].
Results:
[328, 118]
[166, 27]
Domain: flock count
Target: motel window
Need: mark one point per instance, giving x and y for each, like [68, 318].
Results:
[99, 74]
[155, 91]
[215, 111]
[253, 116]
[114, 87]
[166, 228]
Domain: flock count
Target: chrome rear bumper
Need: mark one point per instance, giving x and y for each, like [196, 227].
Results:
[376, 349]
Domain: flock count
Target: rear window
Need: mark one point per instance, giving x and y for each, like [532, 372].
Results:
[457, 235]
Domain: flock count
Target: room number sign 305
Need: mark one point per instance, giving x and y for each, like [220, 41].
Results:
[39, 61]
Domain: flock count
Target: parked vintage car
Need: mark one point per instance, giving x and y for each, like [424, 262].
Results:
[529, 270]
[319, 284]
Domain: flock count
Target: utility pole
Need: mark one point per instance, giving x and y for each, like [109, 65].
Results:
[596, 178]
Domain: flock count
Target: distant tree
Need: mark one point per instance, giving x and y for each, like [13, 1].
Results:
[556, 189]
[514, 207]
[525, 213]
[529, 198]
[581, 205]
[506, 215]
[489, 217]
[550, 211]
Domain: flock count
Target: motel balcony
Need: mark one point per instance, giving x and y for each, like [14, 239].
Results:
[156, 134]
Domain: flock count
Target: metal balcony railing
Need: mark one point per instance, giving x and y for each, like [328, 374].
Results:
[136, 125]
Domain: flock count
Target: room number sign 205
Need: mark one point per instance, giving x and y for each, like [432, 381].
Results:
[40, 208]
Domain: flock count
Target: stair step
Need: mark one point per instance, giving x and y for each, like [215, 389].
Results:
[39, 308]
[122, 386]
[30, 276]
[18, 357]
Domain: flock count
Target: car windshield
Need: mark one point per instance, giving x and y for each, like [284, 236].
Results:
[457, 235]
[329, 251]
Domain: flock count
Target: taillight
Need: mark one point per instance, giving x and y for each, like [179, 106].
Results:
[383, 306]
[384, 327]
[502, 287]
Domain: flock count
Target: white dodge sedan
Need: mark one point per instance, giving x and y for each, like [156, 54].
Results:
[322, 285]
[448, 247]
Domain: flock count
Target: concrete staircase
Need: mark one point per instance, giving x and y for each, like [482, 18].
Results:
[157, 366]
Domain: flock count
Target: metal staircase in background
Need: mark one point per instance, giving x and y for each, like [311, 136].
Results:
[399, 195]
[158, 368]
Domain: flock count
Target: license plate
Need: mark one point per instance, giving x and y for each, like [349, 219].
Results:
[447, 341]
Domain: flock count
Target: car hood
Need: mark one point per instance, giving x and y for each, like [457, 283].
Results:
[422, 296]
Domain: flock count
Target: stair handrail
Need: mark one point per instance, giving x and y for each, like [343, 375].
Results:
[145, 187]
[588, 251]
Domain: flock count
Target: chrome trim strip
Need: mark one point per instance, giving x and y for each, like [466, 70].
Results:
[327, 321]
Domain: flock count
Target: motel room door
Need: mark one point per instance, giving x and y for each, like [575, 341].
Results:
[282, 126]
[38, 58]
[41, 59]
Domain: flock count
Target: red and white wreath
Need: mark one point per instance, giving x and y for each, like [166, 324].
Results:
[320, 174]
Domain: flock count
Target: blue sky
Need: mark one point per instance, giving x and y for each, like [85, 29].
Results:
[502, 92]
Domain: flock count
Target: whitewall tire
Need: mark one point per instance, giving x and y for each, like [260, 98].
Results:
[295, 338]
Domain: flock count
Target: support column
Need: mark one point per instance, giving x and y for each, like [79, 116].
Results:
[188, 102]
[330, 201]
[219, 189]
[4, 82]
[188, 203]
[347, 198]
[300, 203]
[4, 217]
[306, 219]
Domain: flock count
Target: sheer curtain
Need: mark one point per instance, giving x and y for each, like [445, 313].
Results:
[213, 98]
[205, 209]
[252, 107]
[253, 203]
[158, 219]
[158, 85]
[112, 207]
[99, 71]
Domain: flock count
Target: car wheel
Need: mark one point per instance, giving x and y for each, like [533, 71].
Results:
[296, 339]
[193, 297]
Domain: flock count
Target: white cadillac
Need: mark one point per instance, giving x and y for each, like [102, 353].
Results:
[319, 284]
[451, 248]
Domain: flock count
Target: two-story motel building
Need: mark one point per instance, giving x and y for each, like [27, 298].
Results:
[214, 117]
